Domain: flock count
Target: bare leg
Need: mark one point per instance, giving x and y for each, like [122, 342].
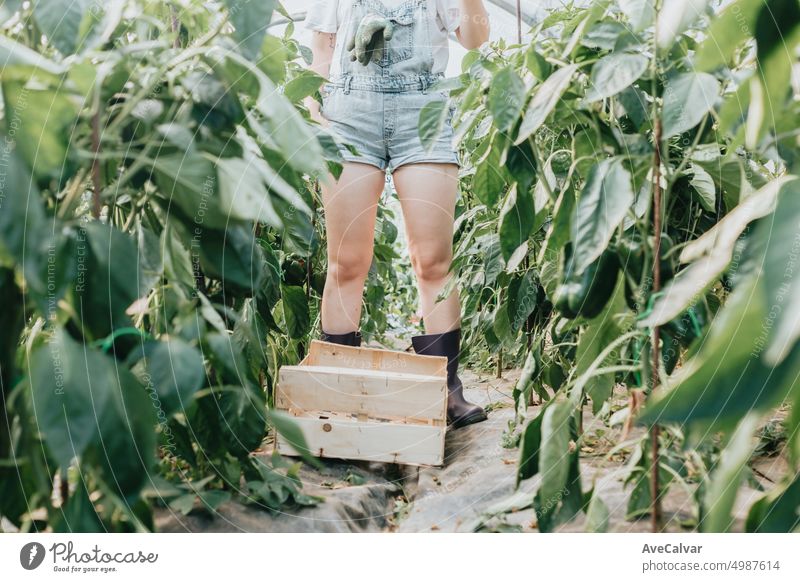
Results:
[350, 208]
[427, 194]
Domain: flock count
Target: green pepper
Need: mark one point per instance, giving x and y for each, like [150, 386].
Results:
[567, 294]
[631, 253]
[631, 258]
[587, 294]
[294, 272]
[687, 327]
[318, 281]
[670, 351]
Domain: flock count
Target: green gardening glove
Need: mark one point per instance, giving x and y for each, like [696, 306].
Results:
[369, 41]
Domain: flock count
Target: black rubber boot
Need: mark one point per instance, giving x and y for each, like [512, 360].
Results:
[345, 339]
[459, 411]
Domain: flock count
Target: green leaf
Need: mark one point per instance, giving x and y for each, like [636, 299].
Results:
[189, 181]
[711, 253]
[720, 494]
[521, 164]
[603, 35]
[781, 280]
[298, 235]
[522, 299]
[86, 405]
[43, 120]
[274, 181]
[640, 13]
[703, 185]
[597, 515]
[178, 265]
[506, 98]
[242, 193]
[605, 199]
[71, 387]
[22, 219]
[233, 256]
[250, 20]
[516, 221]
[776, 512]
[273, 59]
[303, 85]
[635, 104]
[675, 17]
[212, 499]
[79, 514]
[728, 378]
[544, 101]
[733, 111]
[489, 182]
[175, 372]
[184, 503]
[432, 118]
[729, 29]
[108, 280]
[13, 53]
[242, 418]
[615, 72]
[217, 106]
[279, 125]
[537, 64]
[777, 33]
[563, 212]
[688, 97]
[554, 458]
[530, 448]
[295, 311]
[290, 430]
[126, 439]
[151, 259]
[531, 371]
[593, 339]
[60, 21]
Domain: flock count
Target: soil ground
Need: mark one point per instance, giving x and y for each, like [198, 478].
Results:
[474, 489]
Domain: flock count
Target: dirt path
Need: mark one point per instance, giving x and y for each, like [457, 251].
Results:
[476, 482]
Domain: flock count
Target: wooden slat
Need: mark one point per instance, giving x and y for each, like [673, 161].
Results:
[370, 441]
[372, 393]
[328, 354]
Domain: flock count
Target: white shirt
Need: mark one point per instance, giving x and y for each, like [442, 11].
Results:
[328, 15]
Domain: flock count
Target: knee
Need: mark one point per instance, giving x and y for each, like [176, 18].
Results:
[431, 266]
[345, 269]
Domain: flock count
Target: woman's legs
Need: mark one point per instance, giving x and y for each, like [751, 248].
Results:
[427, 194]
[350, 206]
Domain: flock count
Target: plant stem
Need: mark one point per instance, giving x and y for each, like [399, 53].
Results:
[655, 514]
[176, 28]
[64, 488]
[655, 497]
[96, 183]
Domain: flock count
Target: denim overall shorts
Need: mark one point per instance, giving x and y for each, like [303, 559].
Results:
[375, 108]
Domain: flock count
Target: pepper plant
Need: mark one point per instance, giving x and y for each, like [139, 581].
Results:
[157, 195]
[619, 213]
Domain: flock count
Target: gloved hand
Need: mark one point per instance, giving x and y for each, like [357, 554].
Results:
[369, 41]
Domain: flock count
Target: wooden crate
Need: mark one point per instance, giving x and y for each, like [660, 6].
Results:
[367, 404]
